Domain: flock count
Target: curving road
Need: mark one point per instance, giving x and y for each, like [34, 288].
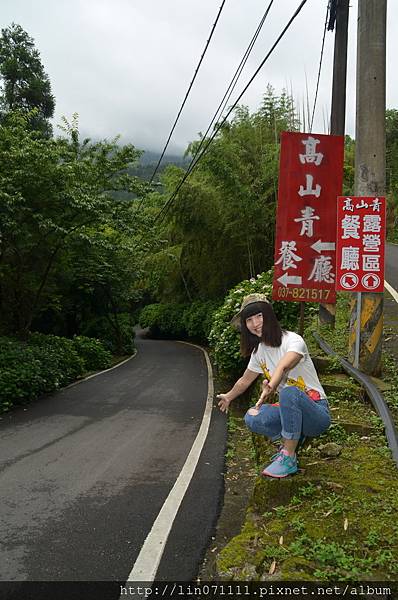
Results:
[85, 472]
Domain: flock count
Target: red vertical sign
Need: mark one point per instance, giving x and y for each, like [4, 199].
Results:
[310, 179]
[361, 231]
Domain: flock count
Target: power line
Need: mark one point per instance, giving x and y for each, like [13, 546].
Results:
[233, 82]
[189, 89]
[320, 65]
[229, 91]
[219, 125]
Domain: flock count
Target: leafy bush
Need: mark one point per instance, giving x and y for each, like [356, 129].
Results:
[93, 353]
[44, 364]
[101, 329]
[61, 354]
[19, 373]
[198, 319]
[164, 320]
[224, 339]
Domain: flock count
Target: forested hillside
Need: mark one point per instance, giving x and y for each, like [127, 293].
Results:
[149, 160]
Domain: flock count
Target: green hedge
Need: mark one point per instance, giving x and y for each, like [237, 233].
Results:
[163, 320]
[198, 319]
[60, 356]
[93, 353]
[179, 321]
[44, 364]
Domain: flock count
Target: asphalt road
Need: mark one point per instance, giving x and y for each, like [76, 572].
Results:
[391, 267]
[84, 472]
[390, 305]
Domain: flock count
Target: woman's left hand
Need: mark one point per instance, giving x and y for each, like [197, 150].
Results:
[267, 391]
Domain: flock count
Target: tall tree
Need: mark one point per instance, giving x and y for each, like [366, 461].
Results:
[24, 83]
[56, 204]
[392, 170]
[220, 228]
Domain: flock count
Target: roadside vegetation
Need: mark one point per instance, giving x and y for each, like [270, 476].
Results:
[84, 248]
[68, 257]
[44, 364]
[392, 174]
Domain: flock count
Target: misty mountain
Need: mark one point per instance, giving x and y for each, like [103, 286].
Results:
[149, 160]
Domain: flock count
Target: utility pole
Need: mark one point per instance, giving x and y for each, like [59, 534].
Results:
[337, 116]
[370, 165]
[327, 312]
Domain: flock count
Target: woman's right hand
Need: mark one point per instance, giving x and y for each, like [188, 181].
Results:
[224, 402]
[266, 392]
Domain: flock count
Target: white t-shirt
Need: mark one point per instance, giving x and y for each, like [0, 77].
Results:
[303, 375]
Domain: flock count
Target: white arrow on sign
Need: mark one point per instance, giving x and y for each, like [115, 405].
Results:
[319, 246]
[286, 279]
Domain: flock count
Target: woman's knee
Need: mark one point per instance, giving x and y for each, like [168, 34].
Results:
[257, 423]
[250, 419]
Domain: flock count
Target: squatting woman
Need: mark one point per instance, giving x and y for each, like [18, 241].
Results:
[282, 358]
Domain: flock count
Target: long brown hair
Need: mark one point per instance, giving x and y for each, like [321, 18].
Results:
[271, 334]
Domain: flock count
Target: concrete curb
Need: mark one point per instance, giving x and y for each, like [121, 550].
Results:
[100, 372]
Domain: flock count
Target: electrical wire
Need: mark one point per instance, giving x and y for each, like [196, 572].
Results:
[320, 65]
[182, 105]
[188, 91]
[233, 82]
[225, 99]
[193, 165]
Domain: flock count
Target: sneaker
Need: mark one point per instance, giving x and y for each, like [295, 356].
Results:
[280, 448]
[277, 453]
[282, 466]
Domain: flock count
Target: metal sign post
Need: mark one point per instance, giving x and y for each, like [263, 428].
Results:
[358, 336]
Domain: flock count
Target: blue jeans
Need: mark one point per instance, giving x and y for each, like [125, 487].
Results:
[295, 416]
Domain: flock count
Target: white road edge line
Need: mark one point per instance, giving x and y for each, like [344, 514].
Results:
[100, 372]
[147, 563]
[390, 289]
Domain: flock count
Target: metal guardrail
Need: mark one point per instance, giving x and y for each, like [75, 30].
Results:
[374, 394]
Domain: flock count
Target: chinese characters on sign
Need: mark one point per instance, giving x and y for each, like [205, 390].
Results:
[361, 226]
[310, 179]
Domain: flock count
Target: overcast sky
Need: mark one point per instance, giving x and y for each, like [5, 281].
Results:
[125, 65]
